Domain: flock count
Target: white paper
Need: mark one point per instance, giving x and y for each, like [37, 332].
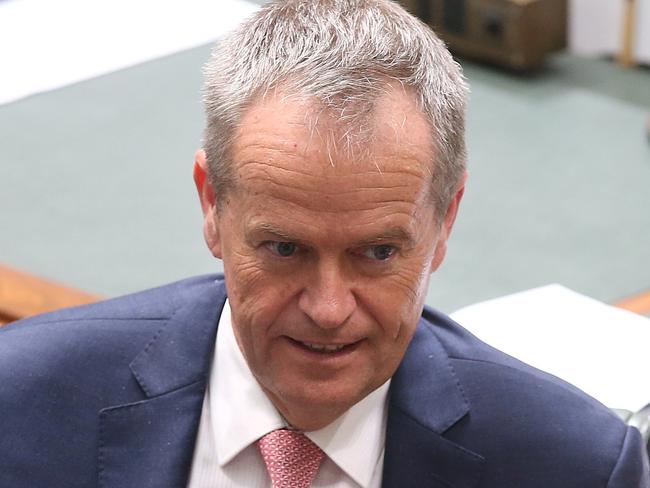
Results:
[47, 44]
[601, 349]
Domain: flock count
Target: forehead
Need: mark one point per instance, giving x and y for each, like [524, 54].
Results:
[286, 146]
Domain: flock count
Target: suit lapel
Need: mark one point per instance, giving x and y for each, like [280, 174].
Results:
[426, 399]
[150, 443]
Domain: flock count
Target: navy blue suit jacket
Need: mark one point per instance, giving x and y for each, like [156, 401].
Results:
[110, 395]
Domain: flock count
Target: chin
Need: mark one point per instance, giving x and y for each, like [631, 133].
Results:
[312, 405]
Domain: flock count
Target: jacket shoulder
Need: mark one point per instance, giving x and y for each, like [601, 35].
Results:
[119, 326]
[521, 416]
[58, 371]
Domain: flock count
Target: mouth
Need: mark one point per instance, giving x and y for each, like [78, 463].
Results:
[325, 349]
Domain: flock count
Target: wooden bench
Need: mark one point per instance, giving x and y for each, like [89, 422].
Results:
[639, 303]
[23, 295]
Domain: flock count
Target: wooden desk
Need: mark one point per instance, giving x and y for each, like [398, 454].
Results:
[23, 295]
[639, 303]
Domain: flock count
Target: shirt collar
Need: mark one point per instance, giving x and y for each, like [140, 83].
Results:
[242, 413]
[355, 440]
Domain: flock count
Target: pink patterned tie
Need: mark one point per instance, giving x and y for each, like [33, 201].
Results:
[291, 458]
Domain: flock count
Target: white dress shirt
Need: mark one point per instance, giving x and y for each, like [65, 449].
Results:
[236, 413]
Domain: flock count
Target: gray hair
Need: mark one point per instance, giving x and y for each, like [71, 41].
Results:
[343, 53]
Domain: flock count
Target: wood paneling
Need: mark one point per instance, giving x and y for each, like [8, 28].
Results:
[23, 295]
[626, 55]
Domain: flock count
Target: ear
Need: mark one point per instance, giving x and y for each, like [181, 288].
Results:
[448, 224]
[208, 204]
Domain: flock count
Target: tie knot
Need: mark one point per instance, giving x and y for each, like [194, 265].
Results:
[291, 458]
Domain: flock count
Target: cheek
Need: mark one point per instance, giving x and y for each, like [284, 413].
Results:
[243, 276]
[412, 280]
[408, 287]
[259, 297]
[396, 304]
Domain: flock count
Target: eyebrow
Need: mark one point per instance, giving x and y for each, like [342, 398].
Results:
[268, 228]
[393, 234]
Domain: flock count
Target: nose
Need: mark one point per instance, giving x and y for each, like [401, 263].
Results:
[328, 298]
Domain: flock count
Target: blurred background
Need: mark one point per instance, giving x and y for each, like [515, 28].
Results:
[100, 116]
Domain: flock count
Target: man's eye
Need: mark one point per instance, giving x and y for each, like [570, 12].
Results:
[379, 253]
[282, 249]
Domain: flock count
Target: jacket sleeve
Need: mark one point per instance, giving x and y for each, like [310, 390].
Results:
[631, 469]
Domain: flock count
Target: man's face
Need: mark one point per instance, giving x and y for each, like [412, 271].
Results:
[326, 255]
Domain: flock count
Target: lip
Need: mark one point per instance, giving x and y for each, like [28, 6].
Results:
[347, 349]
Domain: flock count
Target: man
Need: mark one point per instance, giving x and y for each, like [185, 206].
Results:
[333, 169]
